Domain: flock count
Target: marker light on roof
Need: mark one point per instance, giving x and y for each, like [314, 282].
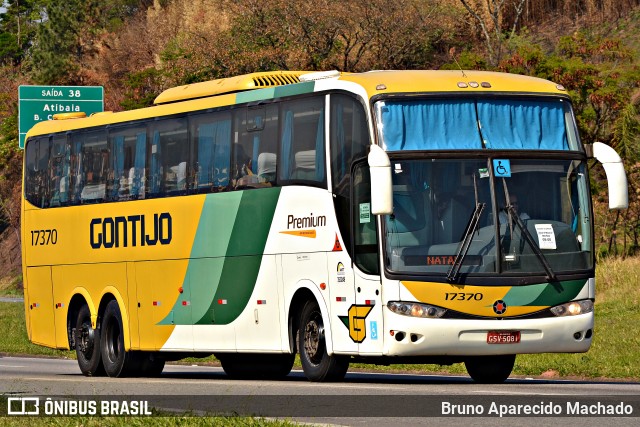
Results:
[560, 87]
[485, 85]
[474, 84]
[462, 85]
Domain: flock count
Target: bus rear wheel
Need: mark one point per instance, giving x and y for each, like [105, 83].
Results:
[316, 363]
[256, 366]
[117, 362]
[490, 369]
[87, 343]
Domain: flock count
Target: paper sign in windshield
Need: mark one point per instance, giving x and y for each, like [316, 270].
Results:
[546, 236]
[365, 213]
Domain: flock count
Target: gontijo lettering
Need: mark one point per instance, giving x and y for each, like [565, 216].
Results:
[124, 231]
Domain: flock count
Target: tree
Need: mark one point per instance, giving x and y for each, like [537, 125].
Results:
[490, 17]
[71, 35]
[18, 27]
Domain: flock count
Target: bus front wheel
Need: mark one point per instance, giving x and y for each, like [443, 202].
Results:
[117, 362]
[316, 363]
[87, 343]
[490, 369]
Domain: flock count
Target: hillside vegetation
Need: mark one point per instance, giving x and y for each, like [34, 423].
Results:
[137, 48]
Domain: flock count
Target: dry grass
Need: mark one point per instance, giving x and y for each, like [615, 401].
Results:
[618, 281]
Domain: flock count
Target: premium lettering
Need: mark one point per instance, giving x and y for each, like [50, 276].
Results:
[310, 221]
[132, 230]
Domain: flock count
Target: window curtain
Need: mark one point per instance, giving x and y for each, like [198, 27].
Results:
[214, 157]
[521, 124]
[287, 149]
[434, 125]
[139, 164]
[118, 164]
[206, 134]
[66, 175]
[156, 153]
[78, 182]
[256, 145]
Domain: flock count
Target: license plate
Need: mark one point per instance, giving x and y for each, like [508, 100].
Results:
[503, 337]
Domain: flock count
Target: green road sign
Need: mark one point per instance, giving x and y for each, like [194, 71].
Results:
[40, 103]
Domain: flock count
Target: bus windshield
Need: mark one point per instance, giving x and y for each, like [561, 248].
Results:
[533, 222]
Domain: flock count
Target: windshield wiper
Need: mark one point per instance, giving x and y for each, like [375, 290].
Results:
[472, 226]
[513, 215]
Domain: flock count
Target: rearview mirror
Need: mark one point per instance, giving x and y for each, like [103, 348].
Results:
[381, 186]
[614, 169]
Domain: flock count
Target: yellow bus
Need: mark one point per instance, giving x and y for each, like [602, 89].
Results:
[382, 217]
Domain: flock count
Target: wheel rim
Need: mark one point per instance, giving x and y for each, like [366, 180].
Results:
[313, 338]
[86, 339]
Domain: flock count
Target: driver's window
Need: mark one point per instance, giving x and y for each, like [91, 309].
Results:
[365, 238]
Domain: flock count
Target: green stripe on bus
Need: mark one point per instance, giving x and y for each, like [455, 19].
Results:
[559, 293]
[544, 294]
[226, 256]
[274, 92]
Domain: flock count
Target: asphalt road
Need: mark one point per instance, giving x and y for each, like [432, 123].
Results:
[371, 399]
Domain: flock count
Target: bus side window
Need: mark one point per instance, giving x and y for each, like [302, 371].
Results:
[168, 158]
[267, 157]
[95, 167]
[302, 142]
[37, 158]
[255, 145]
[211, 142]
[128, 158]
[59, 159]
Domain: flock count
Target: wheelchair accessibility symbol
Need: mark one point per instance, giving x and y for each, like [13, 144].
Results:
[502, 168]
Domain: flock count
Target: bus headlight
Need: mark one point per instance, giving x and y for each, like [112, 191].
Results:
[573, 308]
[415, 309]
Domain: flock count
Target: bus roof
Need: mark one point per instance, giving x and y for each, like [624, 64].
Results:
[229, 85]
[448, 81]
[267, 85]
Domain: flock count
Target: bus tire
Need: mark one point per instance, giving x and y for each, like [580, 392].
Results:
[256, 366]
[117, 362]
[87, 344]
[316, 363]
[490, 369]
